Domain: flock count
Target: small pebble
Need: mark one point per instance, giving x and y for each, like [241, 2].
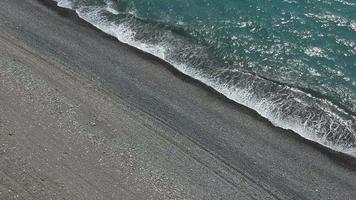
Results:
[92, 123]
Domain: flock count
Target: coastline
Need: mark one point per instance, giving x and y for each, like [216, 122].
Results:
[302, 112]
[202, 126]
[69, 13]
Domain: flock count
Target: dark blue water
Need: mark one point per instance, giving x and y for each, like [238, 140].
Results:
[294, 62]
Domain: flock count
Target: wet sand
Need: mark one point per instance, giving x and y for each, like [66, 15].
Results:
[83, 116]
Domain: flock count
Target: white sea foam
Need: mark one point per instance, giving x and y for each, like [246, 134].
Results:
[351, 45]
[328, 17]
[111, 9]
[267, 108]
[353, 25]
[315, 52]
[264, 107]
[347, 3]
[314, 72]
[64, 3]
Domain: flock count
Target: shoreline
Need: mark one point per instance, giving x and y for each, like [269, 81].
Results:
[68, 13]
[200, 143]
[268, 109]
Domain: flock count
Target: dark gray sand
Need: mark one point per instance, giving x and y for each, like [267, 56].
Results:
[83, 116]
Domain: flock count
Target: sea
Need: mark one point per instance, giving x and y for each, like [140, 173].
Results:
[292, 61]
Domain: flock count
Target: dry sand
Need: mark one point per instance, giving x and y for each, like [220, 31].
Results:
[83, 116]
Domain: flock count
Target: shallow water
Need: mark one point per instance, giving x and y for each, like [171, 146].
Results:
[294, 62]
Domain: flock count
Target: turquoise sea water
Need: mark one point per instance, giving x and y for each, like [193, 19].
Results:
[294, 62]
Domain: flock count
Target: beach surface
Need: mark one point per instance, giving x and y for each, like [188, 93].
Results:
[83, 116]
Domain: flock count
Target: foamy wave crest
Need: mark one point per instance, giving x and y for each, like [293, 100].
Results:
[313, 118]
[64, 3]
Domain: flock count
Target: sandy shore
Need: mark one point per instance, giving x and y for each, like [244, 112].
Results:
[83, 116]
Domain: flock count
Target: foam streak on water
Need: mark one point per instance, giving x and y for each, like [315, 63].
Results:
[313, 118]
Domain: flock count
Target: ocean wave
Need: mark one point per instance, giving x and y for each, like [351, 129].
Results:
[329, 18]
[313, 118]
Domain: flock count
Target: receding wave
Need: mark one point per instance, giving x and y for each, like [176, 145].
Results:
[313, 118]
